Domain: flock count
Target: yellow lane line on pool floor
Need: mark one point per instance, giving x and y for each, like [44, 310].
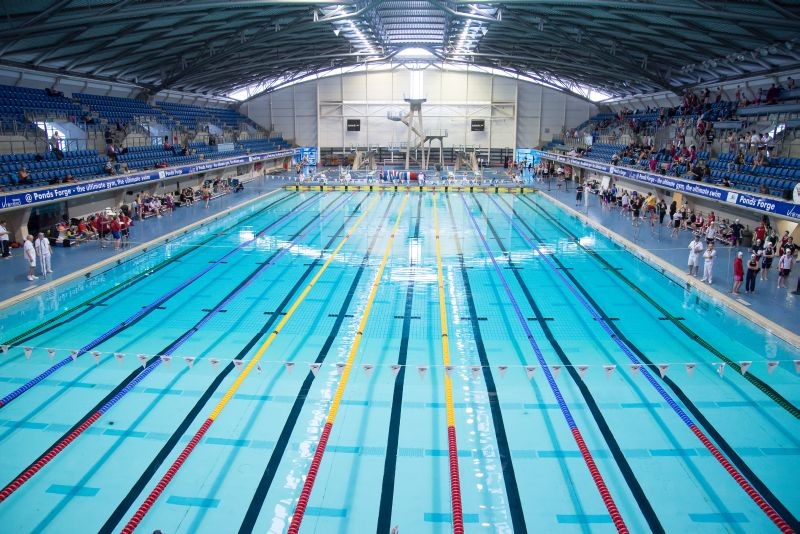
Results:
[162, 484]
[305, 494]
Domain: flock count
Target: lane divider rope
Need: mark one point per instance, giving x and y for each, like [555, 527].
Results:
[148, 503]
[136, 317]
[151, 365]
[597, 477]
[53, 322]
[765, 388]
[308, 485]
[452, 447]
[740, 480]
[282, 443]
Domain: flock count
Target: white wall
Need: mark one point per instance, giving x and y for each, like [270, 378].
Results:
[516, 113]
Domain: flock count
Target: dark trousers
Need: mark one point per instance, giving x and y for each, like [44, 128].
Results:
[4, 248]
[750, 280]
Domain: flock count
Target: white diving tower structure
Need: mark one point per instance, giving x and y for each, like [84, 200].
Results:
[413, 121]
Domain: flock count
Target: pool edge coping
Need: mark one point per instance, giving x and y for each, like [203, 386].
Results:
[770, 326]
[11, 301]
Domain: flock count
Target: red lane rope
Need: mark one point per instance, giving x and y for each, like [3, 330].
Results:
[308, 485]
[455, 484]
[162, 484]
[743, 483]
[44, 460]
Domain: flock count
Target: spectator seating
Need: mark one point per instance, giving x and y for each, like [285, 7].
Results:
[81, 164]
[122, 110]
[190, 115]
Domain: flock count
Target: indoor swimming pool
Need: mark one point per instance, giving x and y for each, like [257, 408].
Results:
[352, 361]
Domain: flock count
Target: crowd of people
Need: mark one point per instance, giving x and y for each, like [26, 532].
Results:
[767, 248]
[109, 227]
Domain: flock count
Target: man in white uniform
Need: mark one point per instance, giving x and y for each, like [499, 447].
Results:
[4, 240]
[44, 252]
[708, 264]
[29, 252]
[695, 249]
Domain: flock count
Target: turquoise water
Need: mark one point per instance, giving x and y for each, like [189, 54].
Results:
[520, 467]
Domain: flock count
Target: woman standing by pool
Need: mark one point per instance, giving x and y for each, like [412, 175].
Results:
[738, 273]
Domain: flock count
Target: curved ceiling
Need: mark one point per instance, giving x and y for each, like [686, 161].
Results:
[216, 47]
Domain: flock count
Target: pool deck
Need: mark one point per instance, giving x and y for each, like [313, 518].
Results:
[67, 261]
[779, 306]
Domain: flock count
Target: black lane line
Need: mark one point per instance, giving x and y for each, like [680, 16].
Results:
[765, 388]
[260, 495]
[732, 455]
[166, 350]
[390, 461]
[43, 328]
[616, 451]
[119, 512]
[504, 451]
[189, 333]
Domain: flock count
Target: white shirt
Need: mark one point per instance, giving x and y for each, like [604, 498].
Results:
[754, 139]
[695, 248]
[28, 250]
[785, 262]
[42, 246]
[3, 233]
[709, 255]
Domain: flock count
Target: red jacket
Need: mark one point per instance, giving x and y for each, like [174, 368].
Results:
[738, 267]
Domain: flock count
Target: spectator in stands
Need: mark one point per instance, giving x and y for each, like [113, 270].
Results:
[731, 142]
[790, 83]
[23, 176]
[755, 139]
[737, 162]
[108, 168]
[111, 152]
[761, 159]
[29, 252]
[772, 95]
[69, 179]
[169, 146]
[55, 146]
[4, 235]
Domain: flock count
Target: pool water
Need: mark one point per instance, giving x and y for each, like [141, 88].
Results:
[187, 389]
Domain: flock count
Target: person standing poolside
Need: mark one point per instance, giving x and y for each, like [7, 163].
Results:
[695, 249]
[766, 260]
[662, 211]
[752, 271]
[708, 264]
[738, 273]
[4, 240]
[29, 252]
[785, 267]
[44, 253]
